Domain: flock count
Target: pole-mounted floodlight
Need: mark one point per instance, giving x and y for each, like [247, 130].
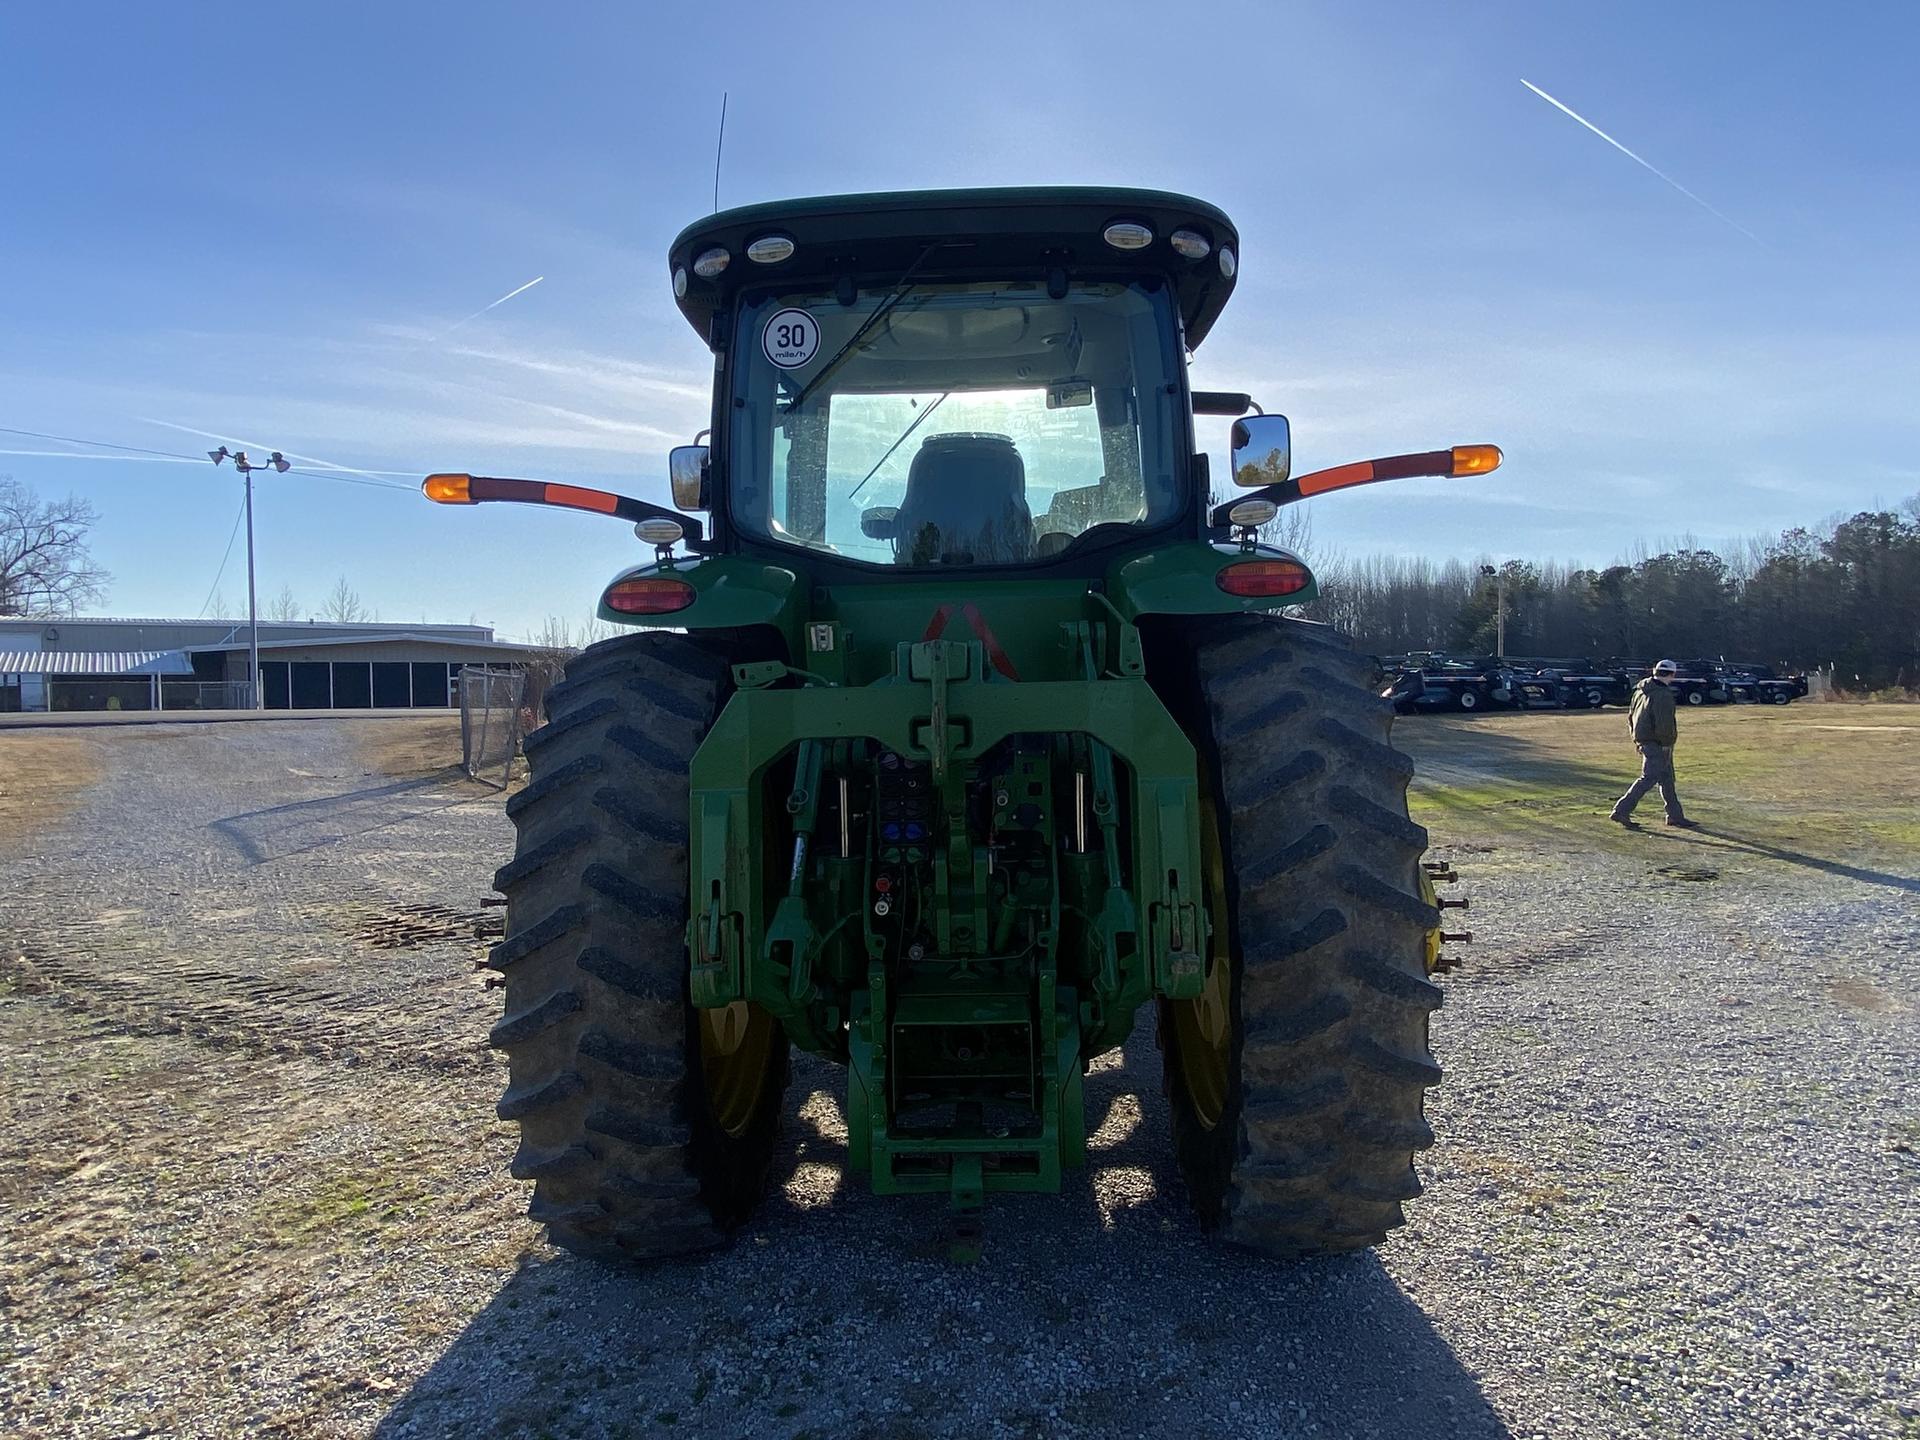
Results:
[1500, 613]
[246, 467]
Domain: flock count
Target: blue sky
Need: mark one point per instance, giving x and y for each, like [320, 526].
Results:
[261, 221]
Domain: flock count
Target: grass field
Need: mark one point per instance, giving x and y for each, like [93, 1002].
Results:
[1826, 786]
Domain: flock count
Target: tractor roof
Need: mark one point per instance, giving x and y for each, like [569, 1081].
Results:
[874, 238]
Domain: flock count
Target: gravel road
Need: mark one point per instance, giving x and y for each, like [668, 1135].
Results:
[251, 1182]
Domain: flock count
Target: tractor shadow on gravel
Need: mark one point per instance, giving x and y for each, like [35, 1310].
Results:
[1099, 1311]
[300, 825]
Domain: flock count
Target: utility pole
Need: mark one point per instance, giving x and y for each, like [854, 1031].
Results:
[1499, 578]
[246, 468]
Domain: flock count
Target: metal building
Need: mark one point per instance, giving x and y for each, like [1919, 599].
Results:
[111, 664]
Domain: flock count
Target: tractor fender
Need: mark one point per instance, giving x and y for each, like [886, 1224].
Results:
[1183, 579]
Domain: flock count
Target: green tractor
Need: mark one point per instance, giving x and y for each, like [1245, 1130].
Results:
[959, 724]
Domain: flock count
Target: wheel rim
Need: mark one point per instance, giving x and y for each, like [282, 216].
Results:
[1203, 1027]
[734, 1045]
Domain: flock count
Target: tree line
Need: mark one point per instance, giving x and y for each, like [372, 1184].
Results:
[1845, 595]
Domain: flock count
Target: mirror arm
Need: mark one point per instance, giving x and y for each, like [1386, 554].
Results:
[1224, 402]
[482, 489]
[1342, 477]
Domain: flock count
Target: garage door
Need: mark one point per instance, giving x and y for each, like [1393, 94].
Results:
[312, 688]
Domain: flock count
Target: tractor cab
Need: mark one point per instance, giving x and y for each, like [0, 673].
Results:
[988, 380]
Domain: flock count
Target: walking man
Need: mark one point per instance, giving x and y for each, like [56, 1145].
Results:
[1655, 727]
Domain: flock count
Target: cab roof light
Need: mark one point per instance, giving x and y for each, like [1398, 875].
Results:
[770, 249]
[1263, 579]
[711, 262]
[648, 595]
[1128, 235]
[1190, 244]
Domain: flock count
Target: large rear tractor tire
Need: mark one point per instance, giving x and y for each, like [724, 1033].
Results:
[1297, 1081]
[647, 1126]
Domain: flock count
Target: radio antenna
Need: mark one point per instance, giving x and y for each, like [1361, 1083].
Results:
[719, 148]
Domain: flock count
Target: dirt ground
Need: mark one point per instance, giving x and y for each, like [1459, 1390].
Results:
[42, 776]
[251, 1182]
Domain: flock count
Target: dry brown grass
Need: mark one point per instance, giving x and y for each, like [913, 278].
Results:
[412, 746]
[42, 777]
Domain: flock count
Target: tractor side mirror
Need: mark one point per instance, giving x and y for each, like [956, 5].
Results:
[880, 522]
[1262, 450]
[687, 467]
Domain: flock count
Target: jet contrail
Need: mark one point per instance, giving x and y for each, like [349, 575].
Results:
[484, 308]
[1639, 161]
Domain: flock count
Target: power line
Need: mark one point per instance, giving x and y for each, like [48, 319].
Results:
[99, 444]
[239, 515]
[344, 479]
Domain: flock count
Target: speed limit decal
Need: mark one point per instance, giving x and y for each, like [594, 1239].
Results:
[791, 339]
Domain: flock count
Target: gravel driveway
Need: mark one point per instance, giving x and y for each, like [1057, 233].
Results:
[251, 1183]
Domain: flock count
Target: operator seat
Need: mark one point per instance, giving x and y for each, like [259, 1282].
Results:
[966, 504]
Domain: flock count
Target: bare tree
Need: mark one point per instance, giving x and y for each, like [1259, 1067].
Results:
[1291, 529]
[564, 637]
[559, 640]
[45, 568]
[342, 604]
[283, 606]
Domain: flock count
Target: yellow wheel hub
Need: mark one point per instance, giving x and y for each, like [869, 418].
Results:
[1203, 1027]
[1431, 948]
[735, 1042]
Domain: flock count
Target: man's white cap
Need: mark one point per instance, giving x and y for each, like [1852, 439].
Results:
[1666, 667]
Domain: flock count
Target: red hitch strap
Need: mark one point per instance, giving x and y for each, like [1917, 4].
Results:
[983, 632]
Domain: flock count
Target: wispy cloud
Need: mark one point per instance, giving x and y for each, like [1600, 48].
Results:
[1642, 161]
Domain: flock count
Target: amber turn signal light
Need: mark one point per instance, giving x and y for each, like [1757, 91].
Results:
[1257, 579]
[448, 489]
[1476, 459]
[648, 595]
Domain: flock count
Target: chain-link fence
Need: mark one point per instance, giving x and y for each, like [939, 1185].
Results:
[100, 693]
[206, 695]
[491, 722]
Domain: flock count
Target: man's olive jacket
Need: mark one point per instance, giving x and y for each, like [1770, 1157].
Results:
[1652, 714]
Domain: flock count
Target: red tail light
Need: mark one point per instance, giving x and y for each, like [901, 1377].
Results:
[1256, 579]
[648, 595]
